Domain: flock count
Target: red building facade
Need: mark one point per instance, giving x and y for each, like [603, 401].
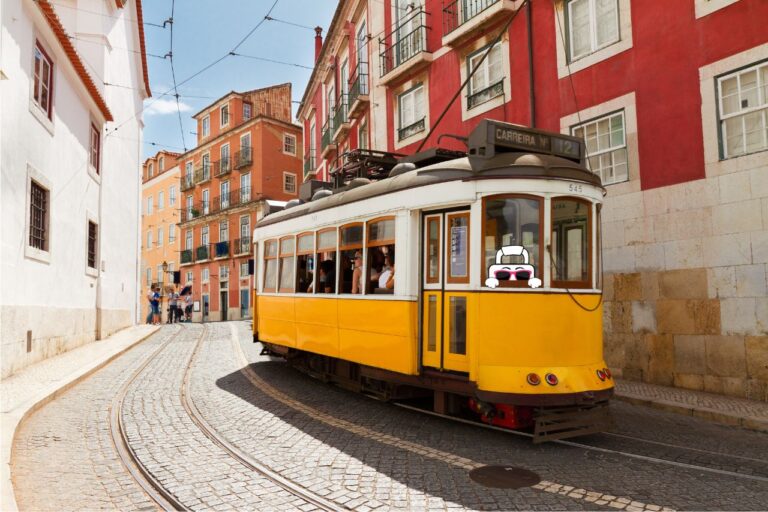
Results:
[249, 153]
[672, 100]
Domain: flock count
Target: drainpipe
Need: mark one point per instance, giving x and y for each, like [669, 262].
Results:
[318, 42]
[531, 91]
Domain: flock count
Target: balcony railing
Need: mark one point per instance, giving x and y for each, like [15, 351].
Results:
[340, 117]
[242, 245]
[203, 173]
[221, 249]
[243, 158]
[202, 253]
[408, 39]
[486, 94]
[458, 12]
[309, 163]
[358, 83]
[244, 194]
[221, 202]
[187, 182]
[186, 256]
[327, 134]
[411, 129]
[222, 167]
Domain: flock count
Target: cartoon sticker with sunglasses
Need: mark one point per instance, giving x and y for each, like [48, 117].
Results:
[511, 271]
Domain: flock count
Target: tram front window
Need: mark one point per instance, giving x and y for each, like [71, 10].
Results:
[512, 223]
[571, 242]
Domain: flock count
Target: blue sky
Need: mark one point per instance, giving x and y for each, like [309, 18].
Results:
[205, 30]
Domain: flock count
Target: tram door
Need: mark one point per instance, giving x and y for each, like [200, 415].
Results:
[445, 282]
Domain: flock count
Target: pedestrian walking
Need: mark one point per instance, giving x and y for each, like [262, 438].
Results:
[155, 301]
[173, 302]
[188, 306]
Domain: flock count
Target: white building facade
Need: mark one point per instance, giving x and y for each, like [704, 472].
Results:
[70, 189]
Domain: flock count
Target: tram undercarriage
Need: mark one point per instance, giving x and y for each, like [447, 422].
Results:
[545, 417]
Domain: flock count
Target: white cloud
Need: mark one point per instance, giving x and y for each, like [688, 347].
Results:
[164, 106]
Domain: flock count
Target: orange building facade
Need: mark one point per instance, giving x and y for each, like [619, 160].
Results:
[248, 156]
[160, 203]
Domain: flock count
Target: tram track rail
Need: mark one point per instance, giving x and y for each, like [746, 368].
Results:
[585, 446]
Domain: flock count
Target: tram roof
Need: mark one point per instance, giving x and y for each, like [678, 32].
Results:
[512, 165]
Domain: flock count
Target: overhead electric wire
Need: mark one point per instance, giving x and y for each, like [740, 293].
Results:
[173, 75]
[272, 60]
[114, 47]
[102, 14]
[197, 73]
[270, 18]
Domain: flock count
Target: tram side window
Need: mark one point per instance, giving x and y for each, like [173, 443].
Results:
[305, 263]
[287, 280]
[511, 223]
[270, 265]
[351, 264]
[571, 240]
[326, 262]
[381, 256]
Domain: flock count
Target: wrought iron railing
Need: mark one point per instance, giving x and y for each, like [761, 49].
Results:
[187, 182]
[327, 134]
[244, 194]
[221, 202]
[203, 173]
[242, 245]
[221, 249]
[458, 12]
[412, 129]
[222, 167]
[244, 157]
[408, 39]
[359, 82]
[340, 114]
[186, 256]
[483, 95]
[309, 163]
[202, 253]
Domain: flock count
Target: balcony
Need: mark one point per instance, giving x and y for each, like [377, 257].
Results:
[187, 182]
[244, 194]
[465, 18]
[187, 214]
[486, 94]
[186, 256]
[222, 167]
[221, 249]
[341, 122]
[411, 129]
[242, 246]
[203, 173]
[404, 50]
[221, 202]
[358, 90]
[327, 145]
[202, 253]
[309, 164]
[243, 158]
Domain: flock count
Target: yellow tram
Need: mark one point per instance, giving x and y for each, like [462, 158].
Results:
[472, 283]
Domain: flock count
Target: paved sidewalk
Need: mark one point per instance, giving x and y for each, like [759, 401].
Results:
[34, 386]
[749, 414]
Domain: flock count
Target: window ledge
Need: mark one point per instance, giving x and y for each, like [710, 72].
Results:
[41, 116]
[472, 27]
[37, 254]
[407, 68]
[484, 107]
[92, 272]
[94, 175]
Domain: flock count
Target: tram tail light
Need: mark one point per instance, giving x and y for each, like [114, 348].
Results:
[601, 374]
[607, 372]
[551, 379]
[533, 379]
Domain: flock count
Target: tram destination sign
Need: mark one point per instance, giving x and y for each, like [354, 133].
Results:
[492, 137]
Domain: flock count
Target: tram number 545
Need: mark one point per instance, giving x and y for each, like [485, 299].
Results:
[574, 188]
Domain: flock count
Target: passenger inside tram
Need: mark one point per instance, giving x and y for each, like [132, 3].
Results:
[327, 277]
[305, 273]
[381, 268]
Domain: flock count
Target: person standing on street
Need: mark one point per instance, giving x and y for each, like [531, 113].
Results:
[173, 301]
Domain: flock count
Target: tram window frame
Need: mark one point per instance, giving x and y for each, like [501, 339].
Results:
[309, 258]
[449, 278]
[286, 256]
[321, 250]
[268, 244]
[372, 245]
[554, 257]
[439, 249]
[344, 252]
[539, 264]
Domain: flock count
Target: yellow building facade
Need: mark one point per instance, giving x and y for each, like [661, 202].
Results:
[160, 244]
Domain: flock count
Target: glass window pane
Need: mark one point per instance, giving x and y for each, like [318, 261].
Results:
[607, 15]
[270, 274]
[734, 137]
[511, 235]
[433, 250]
[432, 324]
[748, 97]
[754, 126]
[459, 240]
[326, 240]
[286, 246]
[270, 248]
[306, 242]
[352, 235]
[581, 41]
[570, 222]
[382, 230]
[458, 325]
[286, 273]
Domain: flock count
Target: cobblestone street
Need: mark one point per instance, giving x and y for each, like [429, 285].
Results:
[342, 450]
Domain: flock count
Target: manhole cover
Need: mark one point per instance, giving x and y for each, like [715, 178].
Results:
[504, 477]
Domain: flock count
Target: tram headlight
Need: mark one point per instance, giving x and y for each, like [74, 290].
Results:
[607, 372]
[533, 379]
[551, 379]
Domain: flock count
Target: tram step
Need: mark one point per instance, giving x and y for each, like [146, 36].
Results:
[563, 422]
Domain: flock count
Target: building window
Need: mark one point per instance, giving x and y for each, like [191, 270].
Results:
[188, 172]
[743, 108]
[246, 111]
[206, 163]
[149, 239]
[38, 217]
[206, 126]
[150, 205]
[188, 240]
[159, 237]
[606, 147]
[93, 234]
[488, 81]
[312, 146]
[362, 135]
[224, 114]
[223, 272]
[160, 200]
[206, 275]
[410, 108]
[223, 231]
[161, 165]
[149, 276]
[205, 202]
[93, 158]
[592, 25]
[172, 195]
[289, 144]
[151, 170]
[189, 277]
[160, 275]
[43, 82]
[245, 188]
[289, 183]
[190, 208]
[204, 236]
[244, 269]
[171, 233]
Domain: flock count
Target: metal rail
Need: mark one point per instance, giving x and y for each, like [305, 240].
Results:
[240, 456]
[128, 457]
